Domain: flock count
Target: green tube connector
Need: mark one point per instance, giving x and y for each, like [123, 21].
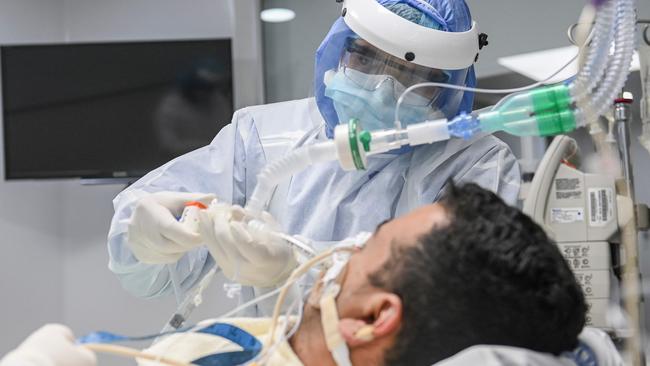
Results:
[544, 111]
[553, 110]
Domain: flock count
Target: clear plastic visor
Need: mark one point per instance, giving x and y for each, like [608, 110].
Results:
[369, 68]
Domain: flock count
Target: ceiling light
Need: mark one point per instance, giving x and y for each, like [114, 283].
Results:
[277, 15]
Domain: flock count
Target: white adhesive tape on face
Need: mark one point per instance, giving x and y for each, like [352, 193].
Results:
[340, 260]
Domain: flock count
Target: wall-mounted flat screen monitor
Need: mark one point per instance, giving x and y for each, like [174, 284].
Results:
[111, 110]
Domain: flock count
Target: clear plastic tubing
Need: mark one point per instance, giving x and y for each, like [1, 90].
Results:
[387, 140]
[619, 67]
[596, 96]
[596, 62]
[295, 161]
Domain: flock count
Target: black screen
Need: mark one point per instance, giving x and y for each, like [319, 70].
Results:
[111, 109]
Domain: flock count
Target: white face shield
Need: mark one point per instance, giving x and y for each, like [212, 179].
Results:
[380, 55]
[370, 68]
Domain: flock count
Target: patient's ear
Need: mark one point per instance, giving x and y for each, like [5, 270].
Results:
[382, 317]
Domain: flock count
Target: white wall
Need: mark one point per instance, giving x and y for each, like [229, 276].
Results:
[31, 263]
[31, 21]
[114, 20]
[289, 47]
[54, 259]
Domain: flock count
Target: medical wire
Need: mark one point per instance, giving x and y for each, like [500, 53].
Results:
[239, 308]
[257, 300]
[298, 317]
[295, 276]
[192, 300]
[266, 296]
[297, 303]
[175, 283]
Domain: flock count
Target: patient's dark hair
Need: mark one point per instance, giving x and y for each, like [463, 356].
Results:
[491, 276]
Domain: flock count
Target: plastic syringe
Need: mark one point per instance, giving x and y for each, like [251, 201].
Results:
[194, 298]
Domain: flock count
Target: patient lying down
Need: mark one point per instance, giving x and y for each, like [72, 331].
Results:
[464, 272]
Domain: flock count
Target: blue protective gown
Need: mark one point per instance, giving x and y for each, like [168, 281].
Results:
[323, 203]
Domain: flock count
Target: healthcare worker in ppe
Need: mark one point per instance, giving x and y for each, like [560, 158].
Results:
[375, 50]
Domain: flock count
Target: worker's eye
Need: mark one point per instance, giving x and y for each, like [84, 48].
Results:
[362, 63]
[439, 76]
[363, 60]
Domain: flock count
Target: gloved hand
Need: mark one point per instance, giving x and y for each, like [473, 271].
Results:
[51, 345]
[247, 254]
[155, 236]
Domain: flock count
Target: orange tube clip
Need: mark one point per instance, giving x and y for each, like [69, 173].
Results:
[197, 204]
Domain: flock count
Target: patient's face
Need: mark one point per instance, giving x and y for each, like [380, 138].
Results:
[402, 231]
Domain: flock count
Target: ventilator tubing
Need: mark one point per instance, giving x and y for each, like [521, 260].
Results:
[608, 61]
[294, 162]
[560, 109]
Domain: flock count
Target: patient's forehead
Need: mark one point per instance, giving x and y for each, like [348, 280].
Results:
[404, 230]
[410, 227]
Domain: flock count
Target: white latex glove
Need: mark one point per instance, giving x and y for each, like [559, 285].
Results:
[155, 236]
[249, 256]
[51, 345]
